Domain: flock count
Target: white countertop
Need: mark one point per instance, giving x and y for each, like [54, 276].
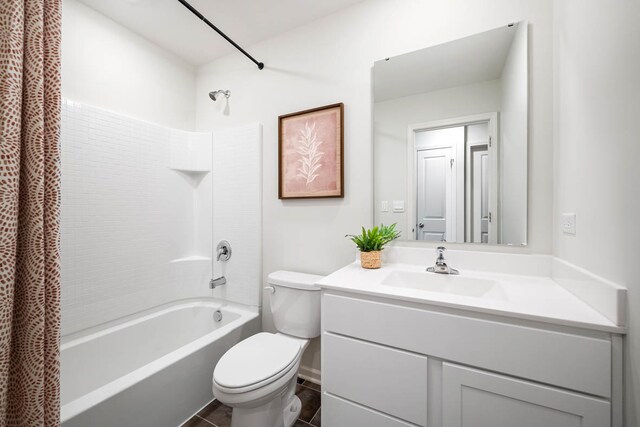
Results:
[536, 298]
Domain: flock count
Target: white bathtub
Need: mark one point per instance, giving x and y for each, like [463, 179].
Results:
[153, 369]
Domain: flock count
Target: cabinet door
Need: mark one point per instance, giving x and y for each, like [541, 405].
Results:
[474, 398]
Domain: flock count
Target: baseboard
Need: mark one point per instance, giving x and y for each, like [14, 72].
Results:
[310, 374]
[196, 413]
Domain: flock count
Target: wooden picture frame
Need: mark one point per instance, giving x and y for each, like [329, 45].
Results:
[311, 153]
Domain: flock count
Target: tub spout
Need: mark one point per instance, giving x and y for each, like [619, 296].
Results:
[214, 283]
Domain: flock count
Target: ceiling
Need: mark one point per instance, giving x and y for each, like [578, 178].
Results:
[473, 59]
[170, 25]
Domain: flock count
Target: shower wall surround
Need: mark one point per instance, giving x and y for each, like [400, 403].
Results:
[136, 228]
[125, 216]
[237, 196]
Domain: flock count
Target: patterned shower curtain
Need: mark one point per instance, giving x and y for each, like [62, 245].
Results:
[30, 33]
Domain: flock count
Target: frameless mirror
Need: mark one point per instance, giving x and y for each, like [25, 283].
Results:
[450, 139]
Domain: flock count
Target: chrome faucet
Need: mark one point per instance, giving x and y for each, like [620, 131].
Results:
[441, 266]
[214, 283]
[223, 251]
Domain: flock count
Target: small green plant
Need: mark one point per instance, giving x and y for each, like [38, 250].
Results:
[374, 239]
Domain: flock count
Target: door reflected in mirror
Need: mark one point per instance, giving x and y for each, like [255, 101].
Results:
[450, 139]
[454, 170]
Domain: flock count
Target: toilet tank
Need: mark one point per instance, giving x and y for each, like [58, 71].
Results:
[295, 303]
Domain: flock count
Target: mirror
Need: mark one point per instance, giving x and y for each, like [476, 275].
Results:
[450, 139]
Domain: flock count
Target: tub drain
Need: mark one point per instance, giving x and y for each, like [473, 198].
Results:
[217, 315]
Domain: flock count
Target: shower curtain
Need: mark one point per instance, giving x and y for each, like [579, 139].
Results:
[30, 33]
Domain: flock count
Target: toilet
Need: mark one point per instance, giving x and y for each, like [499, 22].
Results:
[257, 377]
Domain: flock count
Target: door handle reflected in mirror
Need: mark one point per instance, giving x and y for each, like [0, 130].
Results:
[421, 225]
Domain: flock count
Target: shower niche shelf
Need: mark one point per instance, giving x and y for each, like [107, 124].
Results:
[190, 154]
[193, 176]
[194, 258]
[190, 171]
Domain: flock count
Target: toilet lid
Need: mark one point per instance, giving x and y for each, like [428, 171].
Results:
[256, 359]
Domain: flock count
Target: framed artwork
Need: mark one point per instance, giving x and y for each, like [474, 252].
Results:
[310, 153]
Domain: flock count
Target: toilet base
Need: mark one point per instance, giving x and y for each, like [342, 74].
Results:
[280, 411]
[292, 411]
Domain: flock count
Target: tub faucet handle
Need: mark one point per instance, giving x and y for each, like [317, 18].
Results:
[223, 251]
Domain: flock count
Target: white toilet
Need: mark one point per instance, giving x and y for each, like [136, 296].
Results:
[257, 376]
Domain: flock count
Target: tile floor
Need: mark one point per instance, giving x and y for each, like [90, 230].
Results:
[218, 415]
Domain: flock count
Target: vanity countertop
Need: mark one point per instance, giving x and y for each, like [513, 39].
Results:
[536, 298]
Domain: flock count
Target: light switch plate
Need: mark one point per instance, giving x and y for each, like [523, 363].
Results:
[398, 206]
[384, 206]
[568, 223]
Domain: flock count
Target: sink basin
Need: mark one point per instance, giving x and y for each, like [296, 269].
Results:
[444, 283]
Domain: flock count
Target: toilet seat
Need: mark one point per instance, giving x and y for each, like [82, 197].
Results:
[255, 362]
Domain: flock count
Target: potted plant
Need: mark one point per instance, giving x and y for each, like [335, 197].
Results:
[371, 242]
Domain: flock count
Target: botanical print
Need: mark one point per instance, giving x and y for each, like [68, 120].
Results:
[311, 153]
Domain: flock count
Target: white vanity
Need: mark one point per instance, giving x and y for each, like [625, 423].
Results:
[514, 340]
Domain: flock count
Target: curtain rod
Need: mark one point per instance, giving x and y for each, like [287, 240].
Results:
[217, 30]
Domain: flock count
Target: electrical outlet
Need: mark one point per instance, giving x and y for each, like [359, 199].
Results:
[568, 223]
[384, 206]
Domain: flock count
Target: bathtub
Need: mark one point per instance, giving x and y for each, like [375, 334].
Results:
[152, 369]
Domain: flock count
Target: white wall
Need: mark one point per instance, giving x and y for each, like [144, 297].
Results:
[596, 152]
[390, 124]
[107, 65]
[330, 60]
[115, 174]
[513, 135]
[116, 180]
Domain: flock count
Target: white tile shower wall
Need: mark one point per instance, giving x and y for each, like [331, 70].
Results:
[126, 216]
[190, 152]
[237, 211]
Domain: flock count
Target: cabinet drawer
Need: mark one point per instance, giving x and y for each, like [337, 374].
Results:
[472, 397]
[566, 360]
[338, 412]
[389, 380]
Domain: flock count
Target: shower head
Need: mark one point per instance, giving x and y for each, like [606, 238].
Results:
[214, 95]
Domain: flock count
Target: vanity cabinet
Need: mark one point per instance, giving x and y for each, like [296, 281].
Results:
[393, 363]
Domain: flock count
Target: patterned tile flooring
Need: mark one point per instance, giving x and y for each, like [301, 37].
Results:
[215, 414]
